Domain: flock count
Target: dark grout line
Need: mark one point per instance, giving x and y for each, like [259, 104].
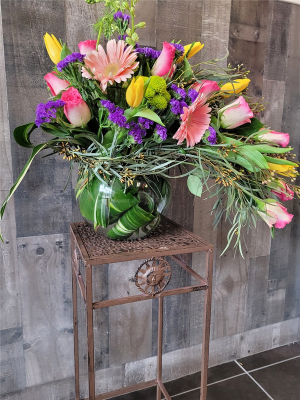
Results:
[251, 377]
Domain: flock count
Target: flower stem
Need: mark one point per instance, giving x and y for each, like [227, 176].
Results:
[99, 35]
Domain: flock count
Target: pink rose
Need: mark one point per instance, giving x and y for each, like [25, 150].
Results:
[55, 84]
[75, 109]
[235, 114]
[87, 46]
[274, 214]
[282, 191]
[164, 63]
[206, 87]
[280, 138]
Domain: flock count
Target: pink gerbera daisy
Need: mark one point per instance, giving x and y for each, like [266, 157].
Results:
[195, 121]
[118, 65]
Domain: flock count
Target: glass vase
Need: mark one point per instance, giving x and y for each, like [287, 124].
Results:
[120, 211]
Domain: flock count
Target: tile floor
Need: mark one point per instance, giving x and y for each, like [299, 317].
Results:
[273, 374]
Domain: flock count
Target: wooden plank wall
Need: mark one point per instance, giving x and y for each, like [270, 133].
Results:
[256, 302]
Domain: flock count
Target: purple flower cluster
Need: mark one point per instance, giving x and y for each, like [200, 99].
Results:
[70, 59]
[120, 15]
[177, 106]
[145, 122]
[181, 92]
[178, 47]
[161, 131]
[109, 105]
[193, 94]
[137, 132]
[46, 112]
[122, 37]
[148, 52]
[212, 138]
[116, 114]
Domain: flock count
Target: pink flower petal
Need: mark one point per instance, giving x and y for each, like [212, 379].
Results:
[163, 64]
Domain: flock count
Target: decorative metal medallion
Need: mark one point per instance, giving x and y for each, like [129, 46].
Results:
[153, 275]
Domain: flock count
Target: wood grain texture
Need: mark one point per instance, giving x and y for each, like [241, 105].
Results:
[146, 12]
[215, 28]
[45, 276]
[278, 40]
[273, 95]
[27, 61]
[248, 50]
[12, 371]
[130, 324]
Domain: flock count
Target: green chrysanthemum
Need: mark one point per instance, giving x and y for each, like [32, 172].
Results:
[157, 94]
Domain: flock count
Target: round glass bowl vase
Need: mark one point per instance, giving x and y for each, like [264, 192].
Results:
[122, 212]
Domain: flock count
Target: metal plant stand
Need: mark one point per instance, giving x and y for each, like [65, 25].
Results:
[151, 278]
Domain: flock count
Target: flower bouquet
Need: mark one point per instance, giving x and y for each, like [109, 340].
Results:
[129, 114]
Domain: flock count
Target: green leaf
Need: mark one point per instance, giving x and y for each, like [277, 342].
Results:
[253, 156]
[195, 185]
[55, 130]
[188, 73]
[280, 161]
[22, 134]
[35, 151]
[265, 148]
[248, 129]
[147, 113]
[129, 222]
[65, 52]
[237, 159]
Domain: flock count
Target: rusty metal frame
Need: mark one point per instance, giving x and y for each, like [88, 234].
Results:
[80, 250]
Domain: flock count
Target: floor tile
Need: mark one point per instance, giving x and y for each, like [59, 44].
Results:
[281, 381]
[193, 381]
[270, 357]
[239, 388]
[145, 394]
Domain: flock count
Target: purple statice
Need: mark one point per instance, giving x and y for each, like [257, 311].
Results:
[120, 15]
[181, 92]
[137, 132]
[178, 47]
[148, 52]
[122, 37]
[193, 94]
[117, 117]
[145, 122]
[70, 59]
[109, 105]
[212, 138]
[177, 106]
[161, 131]
[117, 15]
[46, 112]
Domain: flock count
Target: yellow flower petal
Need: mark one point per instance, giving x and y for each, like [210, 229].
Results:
[135, 92]
[283, 169]
[234, 87]
[197, 47]
[53, 47]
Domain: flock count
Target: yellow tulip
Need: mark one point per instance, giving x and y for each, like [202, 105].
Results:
[53, 47]
[196, 47]
[234, 87]
[283, 169]
[135, 92]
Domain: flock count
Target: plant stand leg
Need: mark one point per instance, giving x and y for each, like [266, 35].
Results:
[206, 324]
[90, 332]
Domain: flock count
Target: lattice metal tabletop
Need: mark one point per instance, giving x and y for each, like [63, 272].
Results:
[151, 278]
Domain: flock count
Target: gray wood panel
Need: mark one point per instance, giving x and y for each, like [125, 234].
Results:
[291, 121]
[27, 61]
[12, 371]
[130, 324]
[45, 278]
